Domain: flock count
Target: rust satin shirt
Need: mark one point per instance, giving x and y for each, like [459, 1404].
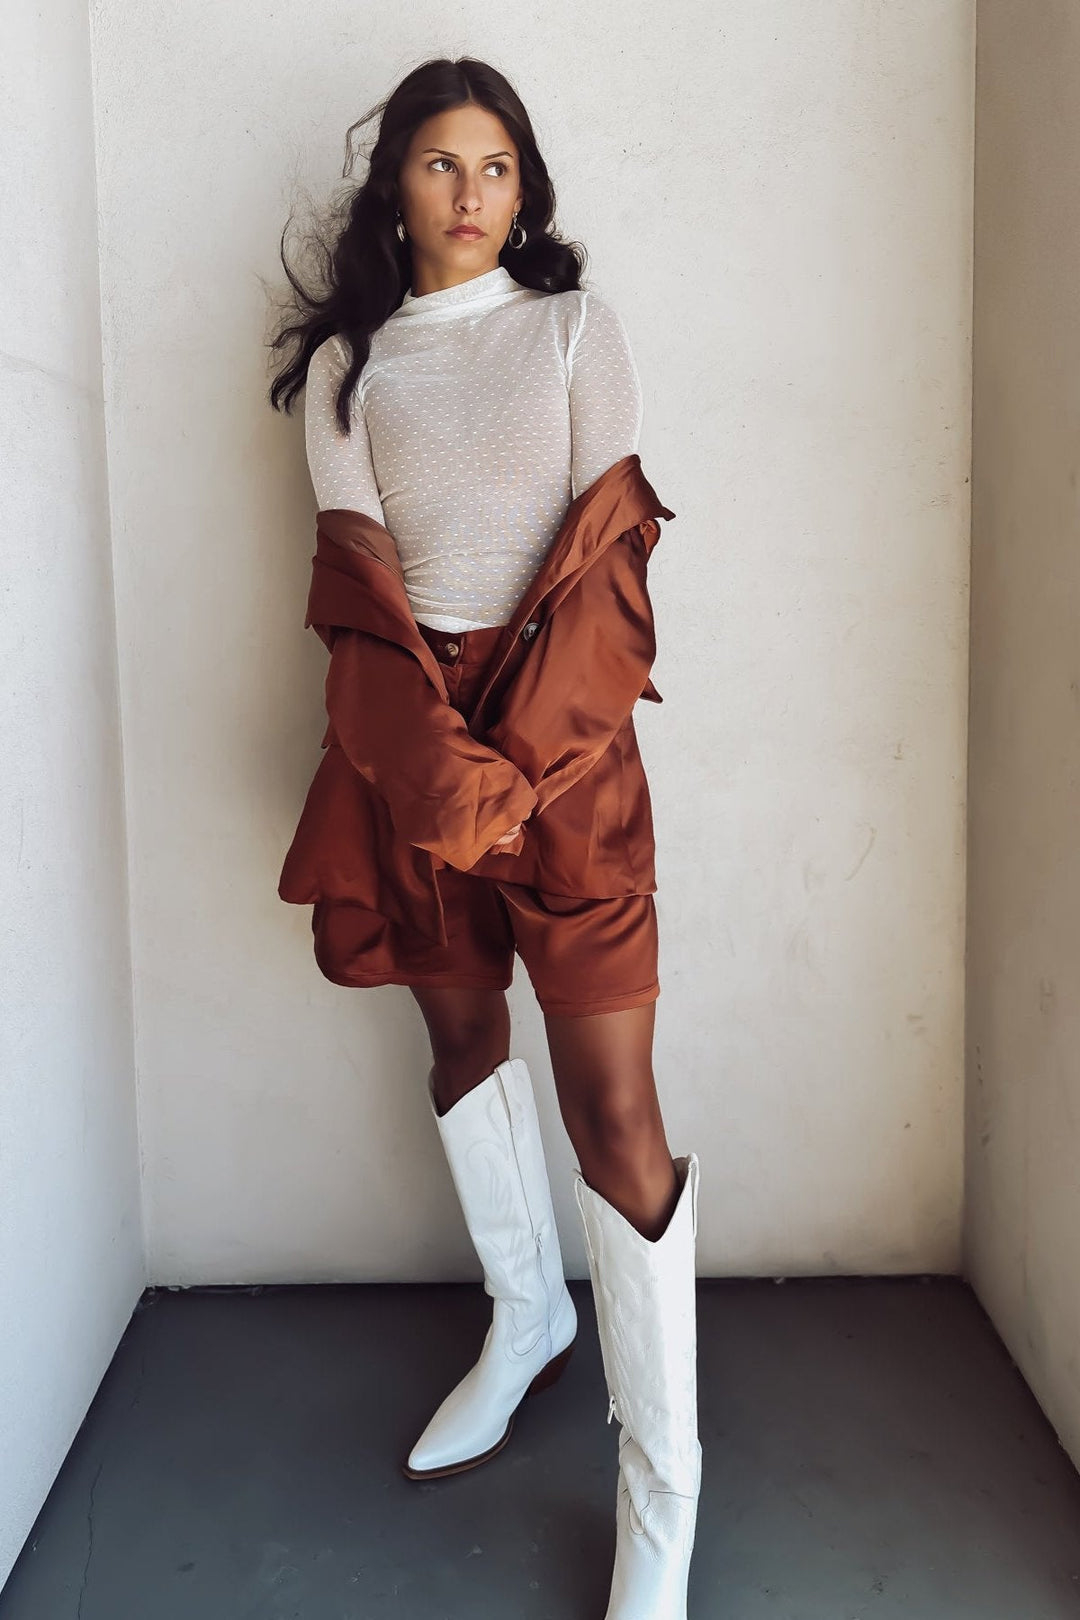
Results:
[408, 783]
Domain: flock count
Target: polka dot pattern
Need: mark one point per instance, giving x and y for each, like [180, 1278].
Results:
[482, 411]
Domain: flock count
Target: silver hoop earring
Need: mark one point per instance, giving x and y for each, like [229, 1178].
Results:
[400, 227]
[516, 227]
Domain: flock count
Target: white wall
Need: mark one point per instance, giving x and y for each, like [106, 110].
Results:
[788, 237]
[778, 200]
[71, 1264]
[1023, 1144]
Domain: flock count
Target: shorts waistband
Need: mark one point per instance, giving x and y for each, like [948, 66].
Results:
[462, 646]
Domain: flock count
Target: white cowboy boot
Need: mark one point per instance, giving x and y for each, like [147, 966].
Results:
[647, 1320]
[492, 1141]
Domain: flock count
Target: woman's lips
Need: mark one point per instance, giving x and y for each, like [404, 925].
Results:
[467, 234]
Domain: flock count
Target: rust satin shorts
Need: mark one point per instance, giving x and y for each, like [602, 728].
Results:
[582, 955]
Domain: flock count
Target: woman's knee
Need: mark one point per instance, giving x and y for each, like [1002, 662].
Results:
[469, 1032]
[617, 1127]
[604, 1081]
[612, 1117]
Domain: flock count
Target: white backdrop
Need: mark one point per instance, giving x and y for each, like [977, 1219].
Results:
[71, 1253]
[779, 204]
[778, 199]
[1022, 1233]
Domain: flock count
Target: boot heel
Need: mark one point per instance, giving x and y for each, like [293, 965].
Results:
[547, 1375]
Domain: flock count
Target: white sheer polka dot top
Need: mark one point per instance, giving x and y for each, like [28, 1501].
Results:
[483, 410]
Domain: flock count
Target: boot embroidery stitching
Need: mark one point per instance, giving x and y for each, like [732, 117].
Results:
[493, 1166]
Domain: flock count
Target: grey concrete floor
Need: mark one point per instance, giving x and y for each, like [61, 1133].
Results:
[870, 1452]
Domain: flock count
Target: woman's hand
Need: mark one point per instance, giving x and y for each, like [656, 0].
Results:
[507, 837]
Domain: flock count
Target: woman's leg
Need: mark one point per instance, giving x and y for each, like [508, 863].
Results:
[602, 1064]
[469, 1032]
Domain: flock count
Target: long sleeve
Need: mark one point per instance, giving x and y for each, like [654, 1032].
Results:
[446, 792]
[586, 668]
[605, 394]
[340, 464]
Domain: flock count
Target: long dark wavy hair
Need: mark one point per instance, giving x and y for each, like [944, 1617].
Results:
[362, 268]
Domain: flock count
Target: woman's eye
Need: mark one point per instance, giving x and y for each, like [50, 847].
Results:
[500, 166]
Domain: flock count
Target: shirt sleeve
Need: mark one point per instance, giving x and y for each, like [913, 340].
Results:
[605, 394]
[340, 464]
[586, 669]
[446, 791]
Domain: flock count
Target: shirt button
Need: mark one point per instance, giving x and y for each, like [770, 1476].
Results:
[452, 648]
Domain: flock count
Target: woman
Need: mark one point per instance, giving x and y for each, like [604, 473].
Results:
[463, 395]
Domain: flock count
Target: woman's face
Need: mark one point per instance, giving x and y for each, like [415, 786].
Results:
[461, 169]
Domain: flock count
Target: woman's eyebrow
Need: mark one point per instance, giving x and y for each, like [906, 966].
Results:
[445, 153]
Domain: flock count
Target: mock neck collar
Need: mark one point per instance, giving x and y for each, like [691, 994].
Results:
[494, 286]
